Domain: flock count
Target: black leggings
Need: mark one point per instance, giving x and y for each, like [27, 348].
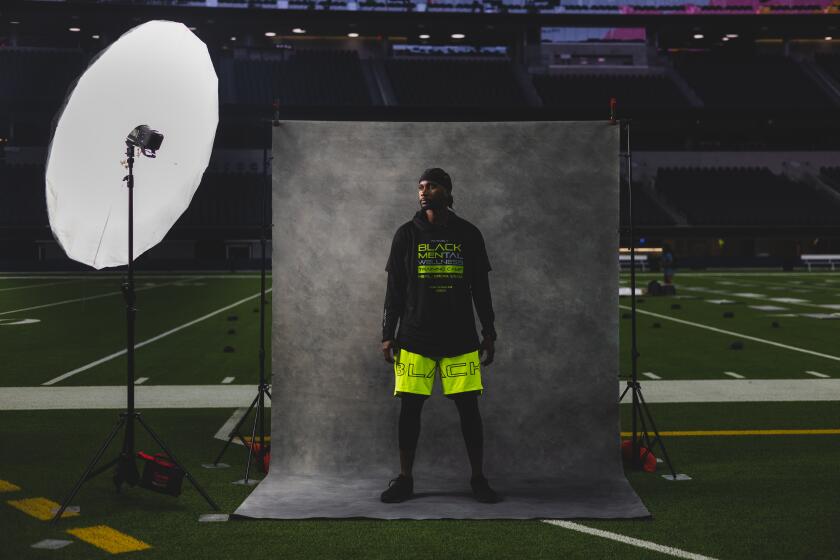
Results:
[412, 406]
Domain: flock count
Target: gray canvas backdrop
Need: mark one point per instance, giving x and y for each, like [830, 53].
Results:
[545, 196]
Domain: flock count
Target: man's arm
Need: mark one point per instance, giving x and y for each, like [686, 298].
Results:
[394, 304]
[394, 297]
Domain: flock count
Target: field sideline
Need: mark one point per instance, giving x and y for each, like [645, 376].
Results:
[749, 496]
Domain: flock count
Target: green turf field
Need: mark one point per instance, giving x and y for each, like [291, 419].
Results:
[763, 496]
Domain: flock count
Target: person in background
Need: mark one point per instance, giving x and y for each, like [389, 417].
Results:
[667, 263]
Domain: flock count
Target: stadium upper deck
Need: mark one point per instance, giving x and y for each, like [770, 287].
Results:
[648, 7]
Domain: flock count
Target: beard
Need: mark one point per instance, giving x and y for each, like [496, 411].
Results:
[433, 204]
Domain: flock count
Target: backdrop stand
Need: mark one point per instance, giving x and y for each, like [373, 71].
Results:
[126, 471]
[263, 390]
[641, 414]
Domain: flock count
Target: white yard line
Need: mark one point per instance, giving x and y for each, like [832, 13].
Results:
[140, 380]
[237, 396]
[753, 274]
[108, 276]
[228, 380]
[745, 390]
[734, 375]
[57, 277]
[817, 374]
[35, 286]
[224, 432]
[43, 306]
[650, 375]
[113, 397]
[86, 298]
[109, 357]
[772, 299]
[756, 297]
[732, 333]
[669, 550]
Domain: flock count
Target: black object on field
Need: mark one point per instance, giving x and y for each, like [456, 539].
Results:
[775, 324]
[233, 317]
[728, 315]
[737, 345]
[657, 326]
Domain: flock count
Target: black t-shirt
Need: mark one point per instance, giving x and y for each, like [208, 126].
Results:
[435, 272]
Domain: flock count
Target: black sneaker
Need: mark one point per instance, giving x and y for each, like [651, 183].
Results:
[399, 490]
[482, 491]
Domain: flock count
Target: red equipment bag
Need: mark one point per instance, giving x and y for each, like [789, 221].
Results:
[160, 474]
[266, 454]
[647, 456]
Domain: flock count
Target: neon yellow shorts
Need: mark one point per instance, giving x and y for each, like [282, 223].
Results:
[416, 374]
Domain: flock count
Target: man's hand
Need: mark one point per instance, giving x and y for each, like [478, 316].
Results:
[389, 351]
[488, 347]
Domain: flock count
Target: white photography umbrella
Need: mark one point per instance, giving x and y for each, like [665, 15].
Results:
[159, 74]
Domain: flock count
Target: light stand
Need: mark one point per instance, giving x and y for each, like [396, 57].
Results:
[126, 471]
[263, 387]
[641, 413]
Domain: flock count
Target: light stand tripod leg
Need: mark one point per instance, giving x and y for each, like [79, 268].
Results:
[235, 431]
[104, 467]
[126, 464]
[658, 438]
[643, 439]
[261, 454]
[624, 392]
[178, 463]
[87, 474]
[251, 447]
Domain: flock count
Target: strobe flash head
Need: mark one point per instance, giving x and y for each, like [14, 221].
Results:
[146, 139]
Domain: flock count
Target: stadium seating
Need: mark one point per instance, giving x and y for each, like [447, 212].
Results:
[831, 177]
[22, 89]
[454, 83]
[222, 199]
[22, 196]
[743, 196]
[646, 212]
[635, 93]
[760, 82]
[830, 63]
[226, 200]
[303, 78]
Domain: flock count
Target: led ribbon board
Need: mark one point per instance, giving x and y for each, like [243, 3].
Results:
[160, 74]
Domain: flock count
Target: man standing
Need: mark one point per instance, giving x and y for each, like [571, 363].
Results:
[437, 268]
